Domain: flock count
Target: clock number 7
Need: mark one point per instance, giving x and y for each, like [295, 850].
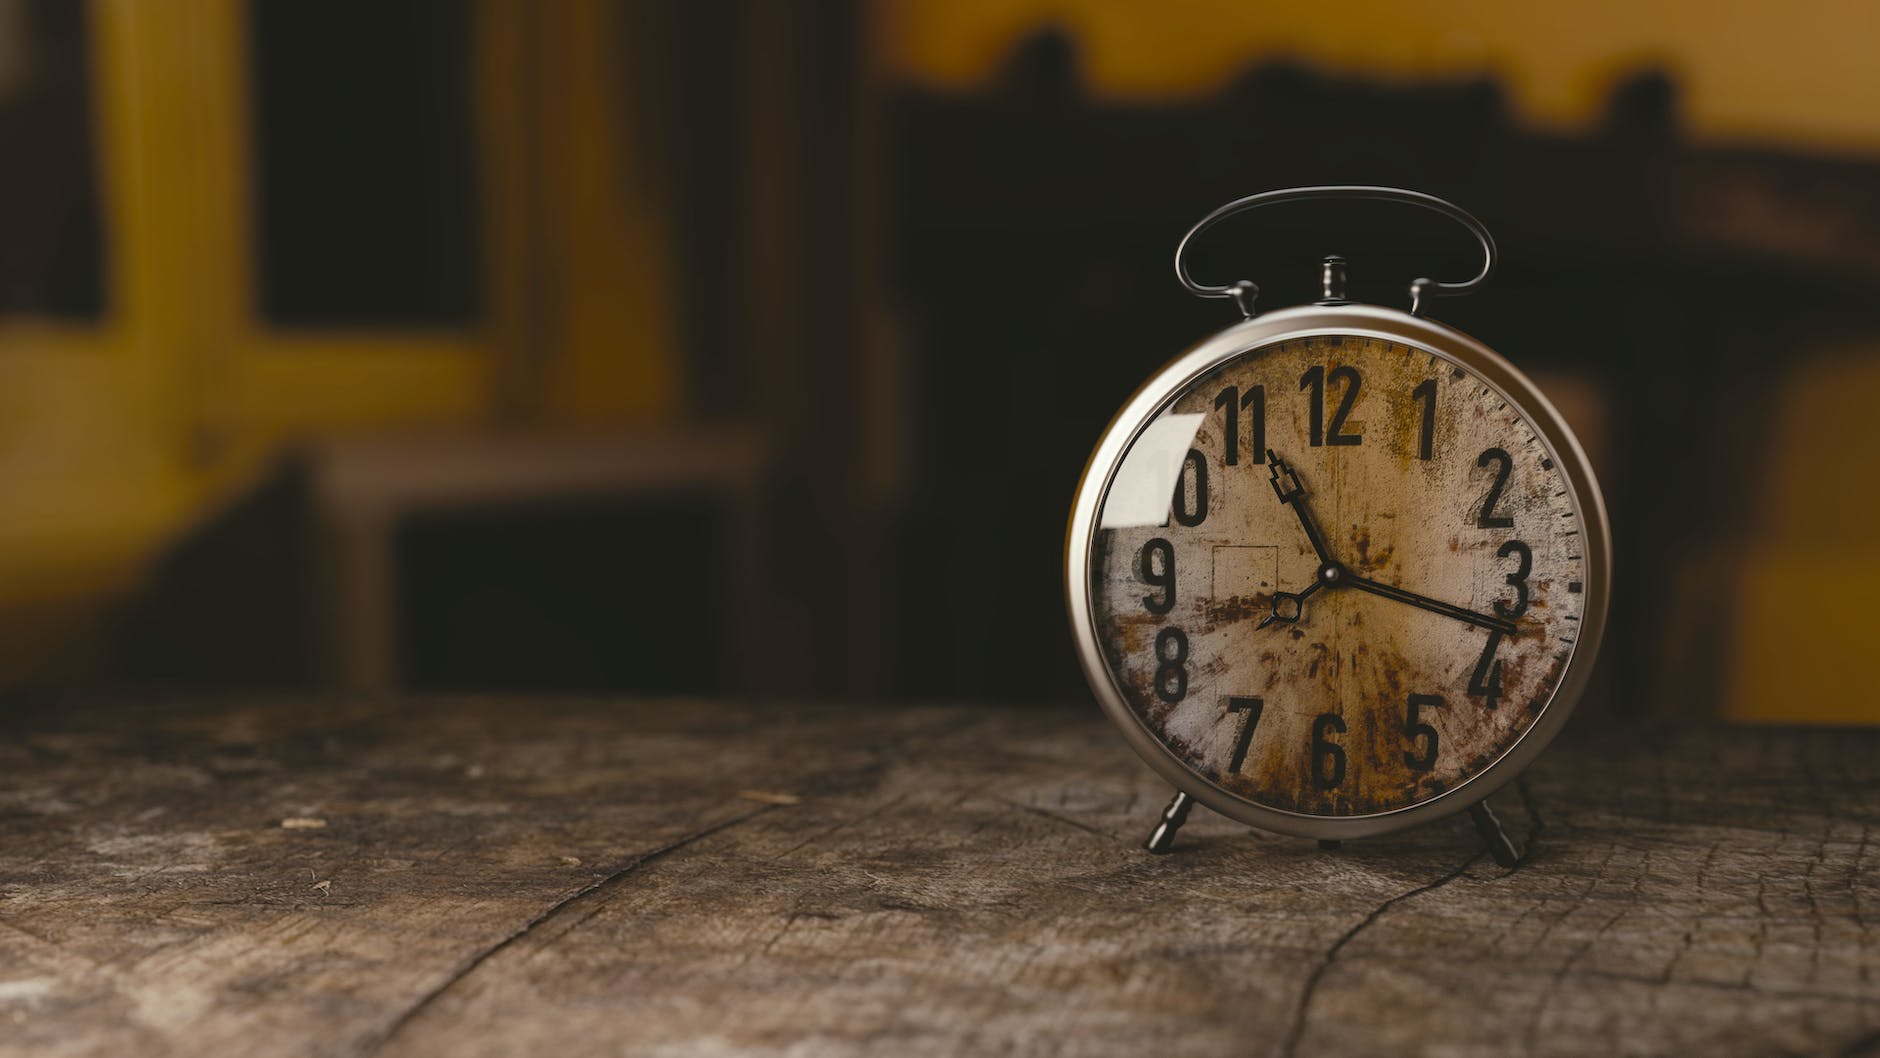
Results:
[1252, 707]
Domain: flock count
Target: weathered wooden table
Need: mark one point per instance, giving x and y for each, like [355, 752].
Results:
[569, 878]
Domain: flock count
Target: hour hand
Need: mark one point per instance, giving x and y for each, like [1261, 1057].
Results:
[1291, 493]
[1289, 607]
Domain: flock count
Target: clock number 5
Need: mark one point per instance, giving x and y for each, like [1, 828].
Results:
[1416, 730]
[1328, 757]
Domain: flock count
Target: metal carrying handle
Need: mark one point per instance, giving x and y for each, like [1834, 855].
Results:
[1245, 292]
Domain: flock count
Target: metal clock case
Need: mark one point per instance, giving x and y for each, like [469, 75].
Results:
[1338, 569]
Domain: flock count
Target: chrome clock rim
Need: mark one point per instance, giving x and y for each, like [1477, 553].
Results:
[1367, 321]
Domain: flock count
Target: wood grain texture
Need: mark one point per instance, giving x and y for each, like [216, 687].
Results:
[571, 878]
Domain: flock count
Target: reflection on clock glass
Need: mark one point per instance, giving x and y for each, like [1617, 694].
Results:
[1338, 575]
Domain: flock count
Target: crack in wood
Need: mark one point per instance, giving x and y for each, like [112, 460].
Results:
[1302, 1011]
[548, 915]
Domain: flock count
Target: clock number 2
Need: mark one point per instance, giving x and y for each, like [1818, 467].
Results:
[1504, 462]
[1332, 433]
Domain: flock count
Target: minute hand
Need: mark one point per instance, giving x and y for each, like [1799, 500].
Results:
[1505, 627]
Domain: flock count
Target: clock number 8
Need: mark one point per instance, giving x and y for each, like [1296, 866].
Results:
[1171, 649]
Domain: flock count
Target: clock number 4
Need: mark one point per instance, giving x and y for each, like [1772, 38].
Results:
[1230, 402]
[1251, 708]
[1485, 681]
[1332, 433]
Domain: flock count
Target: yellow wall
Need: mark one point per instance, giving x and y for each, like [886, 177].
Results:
[1795, 72]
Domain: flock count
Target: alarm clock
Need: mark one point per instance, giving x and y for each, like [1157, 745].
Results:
[1339, 569]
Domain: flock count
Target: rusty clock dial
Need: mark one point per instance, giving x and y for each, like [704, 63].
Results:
[1366, 585]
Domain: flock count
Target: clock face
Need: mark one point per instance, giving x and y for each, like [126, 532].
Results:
[1338, 575]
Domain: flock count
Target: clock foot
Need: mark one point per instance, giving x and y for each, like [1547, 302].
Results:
[1500, 846]
[1162, 838]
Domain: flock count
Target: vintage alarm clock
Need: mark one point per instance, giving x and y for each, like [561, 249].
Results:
[1339, 569]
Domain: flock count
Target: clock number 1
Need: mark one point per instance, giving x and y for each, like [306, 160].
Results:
[1252, 707]
[1425, 394]
[1230, 402]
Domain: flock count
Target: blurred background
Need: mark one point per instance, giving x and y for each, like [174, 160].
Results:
[751, 347]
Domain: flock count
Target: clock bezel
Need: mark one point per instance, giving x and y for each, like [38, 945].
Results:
[1364, 321]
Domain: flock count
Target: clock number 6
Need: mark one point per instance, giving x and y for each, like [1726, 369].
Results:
[1416, 730]
[1328, 757]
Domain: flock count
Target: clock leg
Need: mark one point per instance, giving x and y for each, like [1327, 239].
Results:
[1162, 838]
[1499, 844]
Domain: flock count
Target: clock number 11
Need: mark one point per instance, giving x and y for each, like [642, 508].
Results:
[1230, 402]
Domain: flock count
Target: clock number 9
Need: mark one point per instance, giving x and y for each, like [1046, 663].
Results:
[1171, 676]
[1164, 580]
[1328, 757]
